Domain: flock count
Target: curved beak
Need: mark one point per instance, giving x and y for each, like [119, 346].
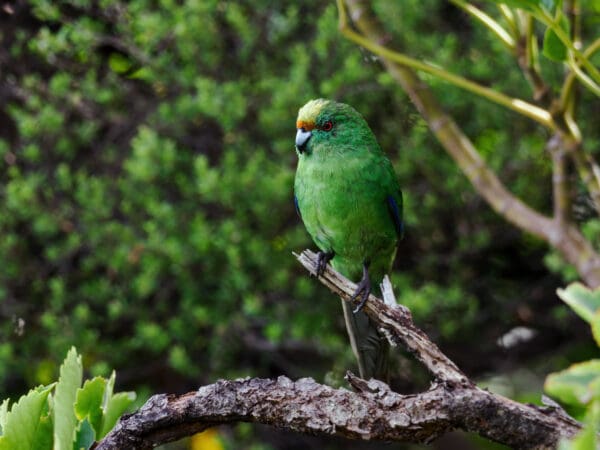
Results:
[302, 137]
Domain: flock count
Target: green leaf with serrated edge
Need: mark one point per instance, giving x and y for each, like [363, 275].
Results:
[64, 400]
[115, 407]
[576, 385]
[89, 402]
[581, 299]
[108, 392]
[23, 421]
[3, 413]
[43, 437]
[554, 48]
[84, 436]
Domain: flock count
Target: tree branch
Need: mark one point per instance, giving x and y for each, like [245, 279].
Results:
[569, 241]
[372, 412]
[396, 322]
[515, 104]
[560, 188]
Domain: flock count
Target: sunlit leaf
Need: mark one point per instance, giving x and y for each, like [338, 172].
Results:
[581, 299]
[554, 48]
[89, 402]
[115, 408]
[64, 399]
[530, 5]
[20, 431]
[3, 414]
[576, 385]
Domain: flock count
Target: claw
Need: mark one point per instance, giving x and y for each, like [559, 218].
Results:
[322, 259]
[363, 289]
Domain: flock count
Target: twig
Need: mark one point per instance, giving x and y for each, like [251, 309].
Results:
[570, 242]
[560, 185]
[396, 323]
[515, 104]
[487, 21]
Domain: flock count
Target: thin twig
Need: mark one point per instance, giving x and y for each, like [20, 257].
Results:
[560, 185]
[488, 21]
[522, 107]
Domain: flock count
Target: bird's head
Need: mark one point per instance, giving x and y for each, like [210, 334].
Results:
[325, 124]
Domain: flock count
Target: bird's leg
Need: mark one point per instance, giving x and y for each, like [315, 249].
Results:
[363, 289]
[322, 259]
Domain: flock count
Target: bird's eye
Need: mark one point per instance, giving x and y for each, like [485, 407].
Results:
[327, 126]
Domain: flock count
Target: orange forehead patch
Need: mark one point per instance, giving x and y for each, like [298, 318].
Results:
[308, 126]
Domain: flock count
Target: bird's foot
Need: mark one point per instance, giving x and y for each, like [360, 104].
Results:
[322, 259]
[363, 289]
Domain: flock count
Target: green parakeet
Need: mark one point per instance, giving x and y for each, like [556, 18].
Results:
[350, 201]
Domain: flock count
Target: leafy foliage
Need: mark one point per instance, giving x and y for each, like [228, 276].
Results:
[147, 152]
[578, 387]
[48, 417]
[65, 393]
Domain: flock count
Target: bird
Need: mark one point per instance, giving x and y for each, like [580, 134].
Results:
[348, 197]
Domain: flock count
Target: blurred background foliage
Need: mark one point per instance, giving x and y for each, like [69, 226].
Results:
[147, 216]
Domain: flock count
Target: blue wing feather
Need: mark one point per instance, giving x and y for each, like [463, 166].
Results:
[297, 207]
[396, 215]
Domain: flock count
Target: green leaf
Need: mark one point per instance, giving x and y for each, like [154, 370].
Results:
[3, 413]
[64, 401]
[587, 438]
[110, 385]
[115, 408]
[596, 327]
[114, 405]
[43, 437]
[89, 402]
[554, 48]
[551, 5]
[85, 436]
[576, 385]
[528, 5]
[119, 63]
[582, 300]
[22, 423]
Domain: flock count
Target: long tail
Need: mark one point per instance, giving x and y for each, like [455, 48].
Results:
[370, 347]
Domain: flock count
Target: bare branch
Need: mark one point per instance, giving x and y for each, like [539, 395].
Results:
[560, 188]
[395, 322]
[570, 242]
[373, 412]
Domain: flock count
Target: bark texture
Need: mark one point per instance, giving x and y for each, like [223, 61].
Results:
[372, 411]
